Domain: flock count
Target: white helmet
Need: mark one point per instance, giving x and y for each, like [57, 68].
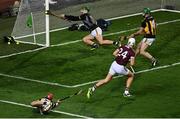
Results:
[131, 42]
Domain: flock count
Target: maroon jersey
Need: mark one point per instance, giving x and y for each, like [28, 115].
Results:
[124, 55]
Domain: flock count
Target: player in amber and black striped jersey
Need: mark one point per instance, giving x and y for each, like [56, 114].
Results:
[90, 23]
[148, 28]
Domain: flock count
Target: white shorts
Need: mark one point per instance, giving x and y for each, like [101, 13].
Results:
[118, 69]
[149, 41]
[97, 31]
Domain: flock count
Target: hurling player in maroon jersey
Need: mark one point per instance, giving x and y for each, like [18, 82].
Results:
[90, 23]
[124, 54]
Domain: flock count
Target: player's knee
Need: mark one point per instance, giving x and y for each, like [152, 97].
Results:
[32, 104]
[85, 40]
[142, 52]
[130, 74]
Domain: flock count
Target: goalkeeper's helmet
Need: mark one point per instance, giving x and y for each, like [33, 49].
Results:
[131, 42]
[49, 96]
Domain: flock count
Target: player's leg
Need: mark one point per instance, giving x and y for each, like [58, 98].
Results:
[36, 103]
[100, 83]
[97, 33]
[145, 44]
[104, 81]
[129, 81]
[102, 41]
[143, 51]
[88, 40]
[112, 72]
[138, 48]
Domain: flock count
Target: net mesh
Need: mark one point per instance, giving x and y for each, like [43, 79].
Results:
[104, 8]
[30, 11]
[98, 8]
[171, 4]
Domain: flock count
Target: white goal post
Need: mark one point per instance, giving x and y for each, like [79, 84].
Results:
[47, 24]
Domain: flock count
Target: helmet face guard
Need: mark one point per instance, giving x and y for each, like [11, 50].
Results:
[85, 9]
[131, 42]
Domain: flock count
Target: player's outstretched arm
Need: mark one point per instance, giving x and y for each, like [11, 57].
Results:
[115, 53]
[132, 61]
[62, 16]
[131, 64]
[55, 104]
[72, 18]
[58, 102]
[139, 32]
[122, 38]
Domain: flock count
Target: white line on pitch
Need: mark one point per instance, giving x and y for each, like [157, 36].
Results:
[33, 80]
[55, 111]
[110, 19]
[138, 72]
[28, 51]
[115, 33]
[83, 84]
[76, 41]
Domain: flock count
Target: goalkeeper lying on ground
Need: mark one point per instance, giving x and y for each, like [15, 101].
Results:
[45, 104]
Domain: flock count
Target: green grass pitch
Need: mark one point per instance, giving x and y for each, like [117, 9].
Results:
[156, 92]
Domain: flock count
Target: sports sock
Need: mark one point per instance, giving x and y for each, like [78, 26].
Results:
[94, 88]
[153, 59]
[126, 90]
[94, 45]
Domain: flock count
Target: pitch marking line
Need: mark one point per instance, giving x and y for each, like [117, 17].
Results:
[76, 41]
[83, 84]
[115, 33]
[33, 80]
[138, 72]
[110, 19]
[55, 111]
[28, 51]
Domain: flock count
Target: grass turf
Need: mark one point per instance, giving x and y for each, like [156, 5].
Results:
[155, 92]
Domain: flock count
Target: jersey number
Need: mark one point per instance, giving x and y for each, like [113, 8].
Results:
[123, 54]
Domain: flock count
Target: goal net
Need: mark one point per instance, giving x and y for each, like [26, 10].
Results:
[30, 26]
[30, 23]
